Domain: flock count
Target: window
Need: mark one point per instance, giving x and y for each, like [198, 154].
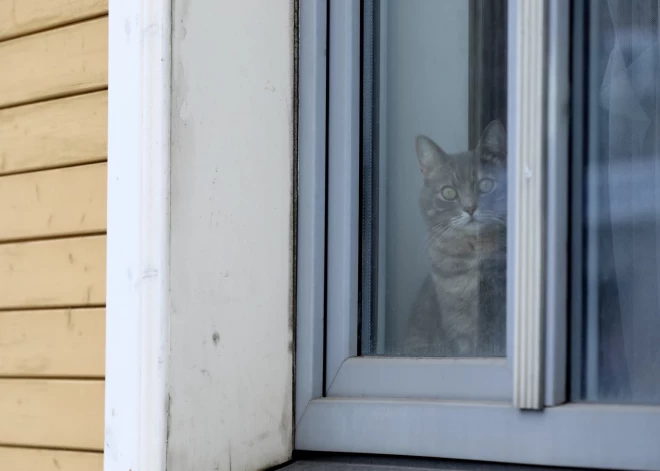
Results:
[616, 334]
[434, 85]
[477, 253]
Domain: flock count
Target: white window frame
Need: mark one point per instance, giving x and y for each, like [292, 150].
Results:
[488, 379]
[491, 410]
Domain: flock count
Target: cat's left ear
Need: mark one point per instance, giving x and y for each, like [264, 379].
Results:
[493, 142]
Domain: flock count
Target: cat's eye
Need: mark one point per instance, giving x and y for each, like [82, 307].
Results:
[448, 193]
[486, 185]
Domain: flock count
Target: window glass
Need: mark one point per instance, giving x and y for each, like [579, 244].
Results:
[617, 329]
[434, 187]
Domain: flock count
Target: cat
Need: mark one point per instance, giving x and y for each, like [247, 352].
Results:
[460, 309]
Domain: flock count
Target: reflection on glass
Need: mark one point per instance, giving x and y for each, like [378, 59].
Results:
[617, 336]
[434, 178]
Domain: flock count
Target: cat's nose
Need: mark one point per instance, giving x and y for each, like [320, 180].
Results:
[470, 209]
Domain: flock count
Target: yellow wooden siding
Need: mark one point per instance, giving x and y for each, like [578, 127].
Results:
[68, 60]
[53, 343]
[52, 413]
[20, 17]
[53, 148]
[59, 202]
[26, 459]
[53, 273]
[54, 133]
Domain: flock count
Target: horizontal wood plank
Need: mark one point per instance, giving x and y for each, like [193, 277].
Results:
[53, 273]
[72, 59]
[53, 343]
[54, 133]
[27, 459]
[19, 17]
[52, 413]
[66, 201]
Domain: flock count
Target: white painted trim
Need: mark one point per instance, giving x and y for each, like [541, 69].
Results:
[138, 235]
[231, 240]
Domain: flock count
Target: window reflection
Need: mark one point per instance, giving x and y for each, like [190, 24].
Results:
[620, 342]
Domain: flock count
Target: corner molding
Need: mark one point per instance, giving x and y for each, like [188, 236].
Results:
[137, 335]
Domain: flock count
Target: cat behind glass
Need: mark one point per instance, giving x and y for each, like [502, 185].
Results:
[461, 307]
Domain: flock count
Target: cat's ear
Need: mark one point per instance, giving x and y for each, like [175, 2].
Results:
[430, 155]
[493, 141]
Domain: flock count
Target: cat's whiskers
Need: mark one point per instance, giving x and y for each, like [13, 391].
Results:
[440, 227]
[464, 218]
[434, 230]
[493, 216]
[428, 238]
[439, 236]
[439, 232]
[446, 233]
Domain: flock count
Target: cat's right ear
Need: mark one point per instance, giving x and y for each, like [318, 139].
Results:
[430, 155]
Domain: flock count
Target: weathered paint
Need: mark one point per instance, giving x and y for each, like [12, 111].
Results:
[230, 366]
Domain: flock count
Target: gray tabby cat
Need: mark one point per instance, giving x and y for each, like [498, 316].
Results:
[461, 307]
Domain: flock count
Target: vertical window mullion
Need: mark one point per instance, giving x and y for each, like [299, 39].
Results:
[310, 274]
[556, 320]
[528, 201]
[343, 185]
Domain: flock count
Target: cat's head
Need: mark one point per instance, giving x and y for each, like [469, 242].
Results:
[464, 194]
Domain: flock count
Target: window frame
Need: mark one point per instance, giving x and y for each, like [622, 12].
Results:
[486, 379]
[346, 403]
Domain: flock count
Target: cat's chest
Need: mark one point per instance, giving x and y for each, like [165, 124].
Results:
[448, 264]
[469, 272]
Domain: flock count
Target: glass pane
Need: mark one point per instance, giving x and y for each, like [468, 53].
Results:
[434, 189]
[617, 324]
